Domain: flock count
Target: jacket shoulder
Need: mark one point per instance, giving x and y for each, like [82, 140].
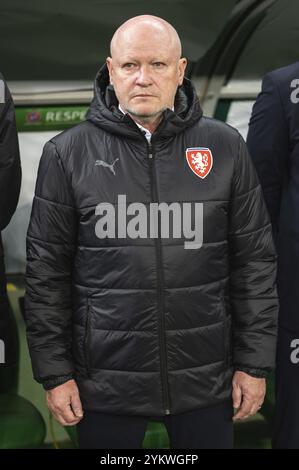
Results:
[66, 139]
[216, 128]
[73, 141]
[221, 138]
[284, 74]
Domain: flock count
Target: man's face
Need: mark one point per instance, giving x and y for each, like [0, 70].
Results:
[145, 73]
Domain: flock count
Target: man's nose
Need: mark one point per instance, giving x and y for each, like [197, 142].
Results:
[143, 77]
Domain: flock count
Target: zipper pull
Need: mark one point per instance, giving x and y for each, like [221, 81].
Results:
[150, 151]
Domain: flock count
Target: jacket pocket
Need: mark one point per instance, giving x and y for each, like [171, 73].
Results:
[87, 337]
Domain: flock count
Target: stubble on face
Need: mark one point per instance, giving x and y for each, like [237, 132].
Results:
[146, 118]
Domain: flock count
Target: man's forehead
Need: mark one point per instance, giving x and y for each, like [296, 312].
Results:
[143, 52]
[137, 56]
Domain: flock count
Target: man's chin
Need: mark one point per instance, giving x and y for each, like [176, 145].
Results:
[145, 113]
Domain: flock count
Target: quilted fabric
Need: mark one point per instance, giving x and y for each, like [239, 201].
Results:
[144, 325]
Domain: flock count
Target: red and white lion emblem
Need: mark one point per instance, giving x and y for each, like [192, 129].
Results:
[200, 160]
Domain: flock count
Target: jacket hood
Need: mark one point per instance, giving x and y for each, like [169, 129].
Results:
[104, 112]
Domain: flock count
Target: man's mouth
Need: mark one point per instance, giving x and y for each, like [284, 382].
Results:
[143, 96]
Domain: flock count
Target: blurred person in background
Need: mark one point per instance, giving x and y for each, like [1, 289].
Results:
[10, 183]
[273, 141]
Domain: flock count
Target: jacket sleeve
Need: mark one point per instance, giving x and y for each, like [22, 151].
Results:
[10, 166]
[268, 143]
[253, 294]
[50, 244]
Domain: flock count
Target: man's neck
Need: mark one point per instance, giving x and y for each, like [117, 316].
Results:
[150, 126]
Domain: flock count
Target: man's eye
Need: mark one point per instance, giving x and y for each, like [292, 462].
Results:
[159, 64]
[128, 65]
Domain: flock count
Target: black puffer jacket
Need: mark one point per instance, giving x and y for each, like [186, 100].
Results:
[10, 183]
[144, 325]
[10, 165]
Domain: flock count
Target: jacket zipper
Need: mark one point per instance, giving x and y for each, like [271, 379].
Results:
[163, 354]
[87, 339]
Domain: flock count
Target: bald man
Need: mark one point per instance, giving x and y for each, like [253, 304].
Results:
[151, 268]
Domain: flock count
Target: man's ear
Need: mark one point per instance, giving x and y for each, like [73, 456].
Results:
[182, 68]
[109, 65]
